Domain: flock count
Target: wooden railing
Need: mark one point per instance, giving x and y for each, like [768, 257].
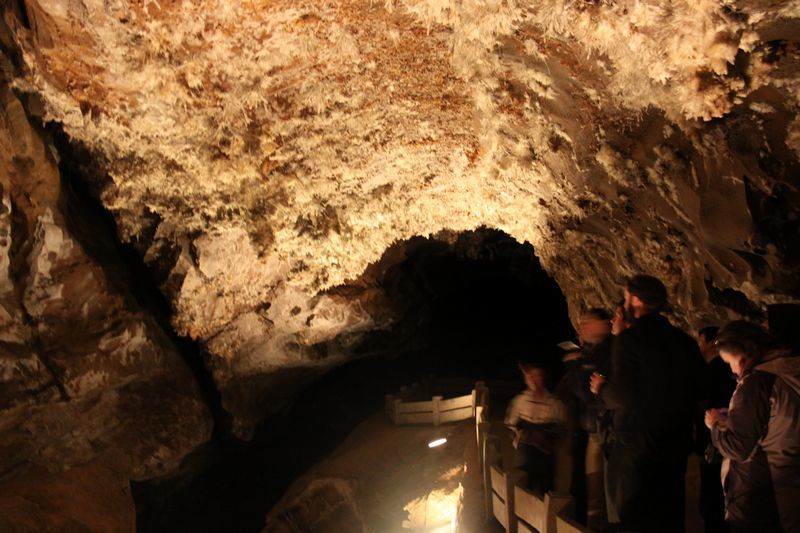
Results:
[436, 411]
[506, 499]
[519, 510]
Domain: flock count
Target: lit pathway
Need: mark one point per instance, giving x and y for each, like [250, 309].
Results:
[385, 478]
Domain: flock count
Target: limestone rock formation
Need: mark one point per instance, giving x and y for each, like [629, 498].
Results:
[92, 497]
[86, 374]
[260, 154]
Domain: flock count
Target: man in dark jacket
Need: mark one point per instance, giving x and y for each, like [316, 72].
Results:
[586, 484]
[656, 382]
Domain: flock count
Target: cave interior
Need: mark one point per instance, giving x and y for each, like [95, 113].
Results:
[228, 229]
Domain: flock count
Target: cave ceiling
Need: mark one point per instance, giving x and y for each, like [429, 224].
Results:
[258, 154]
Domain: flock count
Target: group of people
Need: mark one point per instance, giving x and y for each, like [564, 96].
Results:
[639, 395]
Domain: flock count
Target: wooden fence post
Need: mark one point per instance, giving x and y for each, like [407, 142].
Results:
[474, 403]
[489, 458]
[514, 477]
[436, 414]
[554, 503]
[395, 409]
[478, 413]
[480, 392]
[389, 406]
[483, 434]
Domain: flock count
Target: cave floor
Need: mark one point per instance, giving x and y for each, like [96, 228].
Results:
[387, 479]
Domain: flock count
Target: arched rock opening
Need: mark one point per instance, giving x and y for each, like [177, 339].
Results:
[466, 305]
[471, 302]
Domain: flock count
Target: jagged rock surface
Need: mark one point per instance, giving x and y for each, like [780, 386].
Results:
[92, 497]
[85, 373]
[260, 153]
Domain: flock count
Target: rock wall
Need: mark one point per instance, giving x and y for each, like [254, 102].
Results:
[86, 374]
[259, 154]
[91, 497]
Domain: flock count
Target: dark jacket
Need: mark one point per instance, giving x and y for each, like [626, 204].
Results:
[761, 444]
[721, 384]
[564, 392]
[599, 356]
[658, 376]
[595, 358]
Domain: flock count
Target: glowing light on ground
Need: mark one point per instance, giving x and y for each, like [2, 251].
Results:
[439, 510]
[437, 442]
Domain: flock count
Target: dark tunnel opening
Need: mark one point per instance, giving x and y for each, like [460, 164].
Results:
[468, 305]
[474, 304]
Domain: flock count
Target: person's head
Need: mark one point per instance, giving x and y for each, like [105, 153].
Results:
[743, 345]
[644, 295]
[595, 325]
[534, 376]
[619, 322]
[706, 338]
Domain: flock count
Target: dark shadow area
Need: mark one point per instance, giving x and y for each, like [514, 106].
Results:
[467, 305]
[473, 305]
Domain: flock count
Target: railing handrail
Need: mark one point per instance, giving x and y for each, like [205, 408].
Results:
[438, 409]
[557, 508]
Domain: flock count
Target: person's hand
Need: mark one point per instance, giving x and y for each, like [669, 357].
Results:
[596, 382]
[712, 417]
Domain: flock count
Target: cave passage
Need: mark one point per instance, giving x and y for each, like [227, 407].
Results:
[469, 306]
[472, 307]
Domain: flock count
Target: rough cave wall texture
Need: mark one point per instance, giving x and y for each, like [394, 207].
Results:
[86, 374]
[259, 153]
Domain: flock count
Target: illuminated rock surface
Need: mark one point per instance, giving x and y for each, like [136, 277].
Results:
[86, 372]
[260, 157]
[386, 478]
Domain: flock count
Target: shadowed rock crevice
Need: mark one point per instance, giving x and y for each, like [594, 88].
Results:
[96, 229]
[123, 398]
[736, 302]
[473, 302]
